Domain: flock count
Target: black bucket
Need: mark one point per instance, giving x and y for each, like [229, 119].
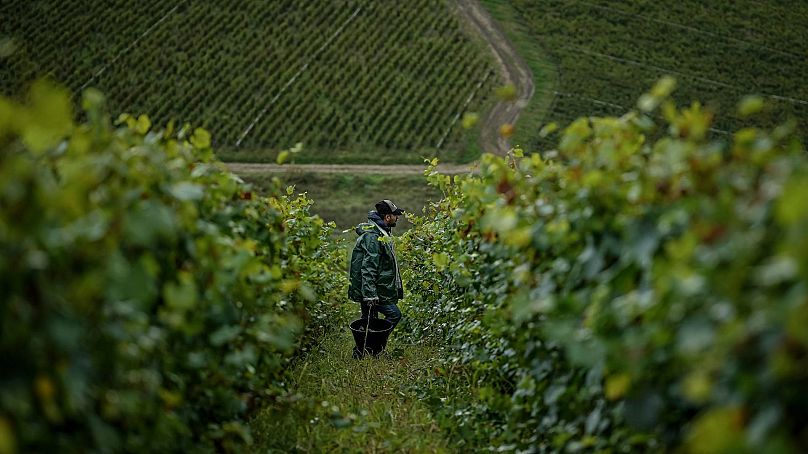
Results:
[377, 337]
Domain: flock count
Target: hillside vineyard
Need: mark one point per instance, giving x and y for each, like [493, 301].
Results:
[261, 75]
[606, 52]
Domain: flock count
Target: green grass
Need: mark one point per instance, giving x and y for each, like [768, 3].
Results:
[340, 404]
[353, 80]
[347, 198]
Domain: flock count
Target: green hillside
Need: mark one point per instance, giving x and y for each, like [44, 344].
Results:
[346, 198]
[349, 78]
[607, 52]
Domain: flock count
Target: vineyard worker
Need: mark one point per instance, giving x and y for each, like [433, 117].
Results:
[375, 277]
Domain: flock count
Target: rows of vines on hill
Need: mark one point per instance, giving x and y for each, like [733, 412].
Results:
[606, 52]
[622, 294]
[265, 75]
[149, 299]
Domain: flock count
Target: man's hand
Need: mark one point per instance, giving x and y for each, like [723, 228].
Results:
[371, 301]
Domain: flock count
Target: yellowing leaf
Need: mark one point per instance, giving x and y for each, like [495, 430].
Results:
[716, 431]
[49, 116]
[793, 204]
[469, 120]
[750, 105]
[797, 321]
[282, 157]
[664, 87]
[8, 444]
[593, 178]
[519, 237]
[697, 387]
[144, 124]
[548, 129]
[501, 221]
[440, 260]
[617, 385]
[169, 129]
[506, 130]
[506, 92]
[200, 139]
[44, 388]
[289, 285]
[171, 399]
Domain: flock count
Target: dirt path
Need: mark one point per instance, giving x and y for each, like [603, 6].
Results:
[513, 68]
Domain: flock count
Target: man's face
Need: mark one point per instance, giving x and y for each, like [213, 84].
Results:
[390, 220]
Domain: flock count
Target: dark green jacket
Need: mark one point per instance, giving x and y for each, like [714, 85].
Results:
[374, 273]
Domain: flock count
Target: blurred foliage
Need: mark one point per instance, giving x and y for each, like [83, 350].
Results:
[621, 294]
[150, 298]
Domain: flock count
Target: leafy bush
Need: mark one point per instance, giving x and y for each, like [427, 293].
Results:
[149, 297]
[619, 294]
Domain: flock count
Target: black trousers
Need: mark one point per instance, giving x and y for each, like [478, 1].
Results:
[391, 312]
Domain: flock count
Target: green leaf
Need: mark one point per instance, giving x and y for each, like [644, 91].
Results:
[147, 221]
[750, 105]
[181, 295]
[224, 335]
[469, 120]
[717, 430]
[7, 115]
[201, 139]
[144, 124]
[282, 157]
[548, 129]
[8, 444]
[647, 103]
[441, 260]
[793, 204]
[664, 87]
[7, 48]
[187, 191]
[93, 99]
[617, 385]
[49, 116]
[506, 92]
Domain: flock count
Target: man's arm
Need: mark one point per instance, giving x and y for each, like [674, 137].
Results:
[370, 267]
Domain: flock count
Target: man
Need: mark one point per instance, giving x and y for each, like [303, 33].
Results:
[375, 278]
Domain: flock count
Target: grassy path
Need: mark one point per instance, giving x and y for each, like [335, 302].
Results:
[342, 404]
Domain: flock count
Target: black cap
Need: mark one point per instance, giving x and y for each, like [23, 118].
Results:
[388, 207]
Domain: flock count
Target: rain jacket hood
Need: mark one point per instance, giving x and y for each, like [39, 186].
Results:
[373, 217]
